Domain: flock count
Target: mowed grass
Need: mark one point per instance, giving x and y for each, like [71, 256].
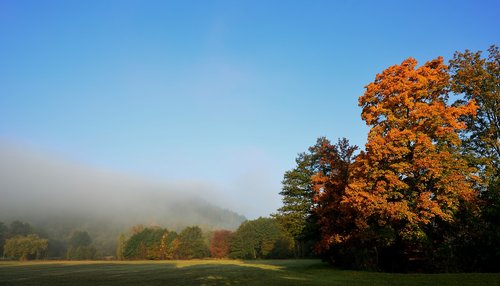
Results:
[216, 272]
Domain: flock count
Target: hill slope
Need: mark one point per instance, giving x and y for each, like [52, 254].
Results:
[60, 196]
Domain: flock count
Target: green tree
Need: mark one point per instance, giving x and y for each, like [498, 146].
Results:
[169, 245]
[79, 246]
[145, 244]
[26, 247]
[259, 239]
[192, 244]
[296, 215]
[58, 248]
[80, 238]
[478, 78]
[120, 247]
[19, 228]
[3, 235]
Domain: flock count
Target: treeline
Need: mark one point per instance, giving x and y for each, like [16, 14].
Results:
[424, 193]
[21, 241]
[260, 238]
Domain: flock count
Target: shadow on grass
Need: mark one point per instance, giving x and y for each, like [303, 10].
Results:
[185, 273]
[217, 272]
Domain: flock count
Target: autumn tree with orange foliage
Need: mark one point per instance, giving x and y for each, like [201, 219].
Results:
[412, 172]
[410, 179]
[412, 175]
[334, 216]
[424, 195]
[220, 244]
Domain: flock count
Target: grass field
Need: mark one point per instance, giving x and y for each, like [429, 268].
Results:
[216, 272]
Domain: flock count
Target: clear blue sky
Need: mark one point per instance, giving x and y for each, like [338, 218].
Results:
[222, 93]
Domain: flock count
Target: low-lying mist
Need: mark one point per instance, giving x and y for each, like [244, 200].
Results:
[58, 195]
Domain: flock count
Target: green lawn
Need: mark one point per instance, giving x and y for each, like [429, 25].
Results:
[216, 272]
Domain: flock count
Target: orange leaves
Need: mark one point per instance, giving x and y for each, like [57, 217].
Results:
[334, 212]
[411, 174]
[412, 186]
[411, 160]
[220, 243]
[398, 90]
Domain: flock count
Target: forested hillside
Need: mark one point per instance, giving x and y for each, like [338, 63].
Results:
[58, 198]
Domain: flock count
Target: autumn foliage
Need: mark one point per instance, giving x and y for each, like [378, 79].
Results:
[330, 183]
[414, 198]
[220, 244]
[411, 176]
[411, 173]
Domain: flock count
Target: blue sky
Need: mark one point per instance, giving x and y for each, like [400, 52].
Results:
[220, 93]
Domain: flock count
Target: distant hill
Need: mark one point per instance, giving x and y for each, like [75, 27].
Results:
[59, 197]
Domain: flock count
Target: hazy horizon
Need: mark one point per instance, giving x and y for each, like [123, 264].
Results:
[37, 186]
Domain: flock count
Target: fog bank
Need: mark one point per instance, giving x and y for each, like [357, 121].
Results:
[36, 186]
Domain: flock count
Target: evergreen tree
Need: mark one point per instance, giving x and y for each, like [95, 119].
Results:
[296, 216]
